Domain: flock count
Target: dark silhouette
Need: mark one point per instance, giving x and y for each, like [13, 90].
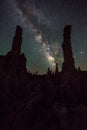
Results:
[17, 41]
[14, 63]
[53, 101]
[56, 70]
[68, 64]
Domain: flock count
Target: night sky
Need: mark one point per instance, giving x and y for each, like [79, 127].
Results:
[43, 22]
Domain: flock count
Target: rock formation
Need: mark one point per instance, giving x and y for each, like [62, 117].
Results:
[14, 63]
[55, 101]
[68, 64]
[56, 70]
[17, 41]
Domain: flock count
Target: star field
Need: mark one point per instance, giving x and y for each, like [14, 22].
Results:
[43, 22]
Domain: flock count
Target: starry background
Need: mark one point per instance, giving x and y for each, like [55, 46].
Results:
[43, 22]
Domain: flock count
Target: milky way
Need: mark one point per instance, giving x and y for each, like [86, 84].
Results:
[33, 18]
[43, 22]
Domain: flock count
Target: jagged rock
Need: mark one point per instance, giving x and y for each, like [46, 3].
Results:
[33, 102]
[17, 41]
[68, 64]
[56, 70]
[14, 63]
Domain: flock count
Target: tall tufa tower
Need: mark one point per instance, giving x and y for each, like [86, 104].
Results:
[56, 69]
[68, 64]
[17, 41]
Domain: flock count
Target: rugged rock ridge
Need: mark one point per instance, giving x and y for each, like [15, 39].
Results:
[14, 63]
[54, 101]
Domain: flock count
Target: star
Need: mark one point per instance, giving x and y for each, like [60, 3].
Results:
[81, 52]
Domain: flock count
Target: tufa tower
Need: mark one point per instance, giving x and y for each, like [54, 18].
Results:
[68, 64]
[17, 41]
